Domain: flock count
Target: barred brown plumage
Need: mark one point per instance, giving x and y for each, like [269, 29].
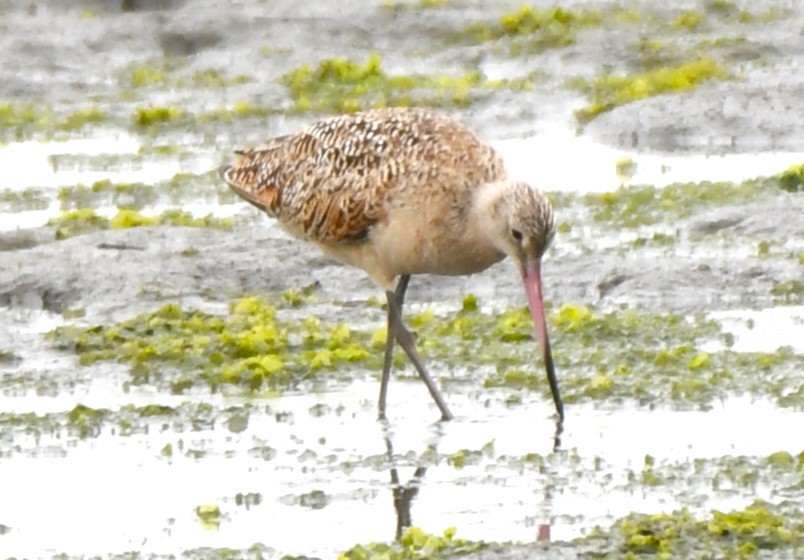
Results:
[339, 176]
[398, 192]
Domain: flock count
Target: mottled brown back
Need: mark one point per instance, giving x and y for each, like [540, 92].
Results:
[332, 181]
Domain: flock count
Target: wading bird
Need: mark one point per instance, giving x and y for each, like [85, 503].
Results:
[398, 192]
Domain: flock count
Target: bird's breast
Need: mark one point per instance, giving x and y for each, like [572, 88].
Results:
[431, 241]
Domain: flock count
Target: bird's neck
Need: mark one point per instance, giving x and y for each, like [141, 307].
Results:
[484, 213]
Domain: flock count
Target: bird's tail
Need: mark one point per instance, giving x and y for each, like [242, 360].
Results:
[240, 178]
[223, 172]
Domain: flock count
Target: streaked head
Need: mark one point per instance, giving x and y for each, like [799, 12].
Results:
[521, 221]
[524, 218]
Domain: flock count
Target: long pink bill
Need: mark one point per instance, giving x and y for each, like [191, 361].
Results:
[531, 277]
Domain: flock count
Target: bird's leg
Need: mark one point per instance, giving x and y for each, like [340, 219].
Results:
[399, 297]
[408, 344]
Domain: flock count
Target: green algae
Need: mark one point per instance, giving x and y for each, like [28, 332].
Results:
[249, 348]
[781, 474]
[790, 292]
[137, 196]
[421, 4]
[81, 118]
[209, 514]
[85, 421]
[212, 78]
[744, 533]
[415, 544]
[85, 220]
[721, 8]
[616, 356]
[77, 222]
[149, 116]
[148, 75]
[104, 192]
[239, 110]
[248, 500]
[609, 91]
[342, 85]
[19, 116]
[163, 73]
[297, 297]
[627, 355]
[7, 357]
[655, 240]
[530, 30]
[30, 198]
[254, 552]
[792, 179]
[663, 43]
[638, 205]
[688, 21]
[19, 121]
[667, 45]
[783, 459]
[314, 499]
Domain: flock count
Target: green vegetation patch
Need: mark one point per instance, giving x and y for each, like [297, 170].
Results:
[639, 205]
[149, 116]
[209, 515]
[688, 21]
[212, 78]
[239, 110]
[632, 355]
[790, 292]
[163, 73]
[531, 30]
[155, 117]
[780, 473]
[85, 220]
[30, 198]
[415, 544]
[19, 121]
[419, 4]
[143, 75]
[792, 179]
[609, 91]
[7, 357]
[254, 552]
[756, 531]
[342, 85]
[85, 422]
[618, 356]
[136, 196]
[105, 193]
[250, 347]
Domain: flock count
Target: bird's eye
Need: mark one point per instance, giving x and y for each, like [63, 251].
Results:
[516, 234]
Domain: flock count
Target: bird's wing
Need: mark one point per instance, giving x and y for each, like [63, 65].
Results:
[332, 181]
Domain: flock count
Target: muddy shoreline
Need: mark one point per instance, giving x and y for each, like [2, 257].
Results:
[162, 92]
[135, 269]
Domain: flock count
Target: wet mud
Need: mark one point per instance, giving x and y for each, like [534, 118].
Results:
[138, 467]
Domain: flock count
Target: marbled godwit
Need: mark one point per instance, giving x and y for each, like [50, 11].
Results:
[398, 192]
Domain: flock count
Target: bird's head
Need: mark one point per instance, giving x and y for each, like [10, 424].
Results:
[523, 219]
[519, 220]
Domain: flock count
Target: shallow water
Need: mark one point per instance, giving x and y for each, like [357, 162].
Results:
[309, 471]
[579, 164]
[558, 173]
[116, 492]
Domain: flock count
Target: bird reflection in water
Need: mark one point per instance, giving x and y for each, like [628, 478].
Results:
[404, 493]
